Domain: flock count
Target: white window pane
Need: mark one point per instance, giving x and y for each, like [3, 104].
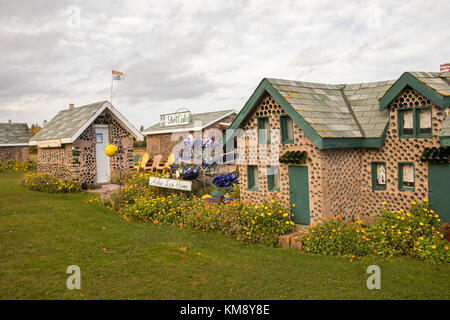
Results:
[408, 119]
[408, 173]
[289, 129]
[425, 118]
[255, 177]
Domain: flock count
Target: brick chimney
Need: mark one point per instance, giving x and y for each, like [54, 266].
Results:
[9, 121]
[71, 106]
[445, 67]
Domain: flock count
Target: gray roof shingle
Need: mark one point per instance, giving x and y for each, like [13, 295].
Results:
[67, 122]
[323, 106]
[14, 134]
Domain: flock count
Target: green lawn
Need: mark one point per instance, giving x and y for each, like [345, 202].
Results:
[41, 234]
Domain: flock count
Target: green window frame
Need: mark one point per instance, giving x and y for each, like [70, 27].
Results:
[402, 184]
[376, 184]
[416, 131]
[273, 178]
[252, 178]
[287, 129]
[263, 130]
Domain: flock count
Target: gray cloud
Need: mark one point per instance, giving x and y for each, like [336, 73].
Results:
[205, 55]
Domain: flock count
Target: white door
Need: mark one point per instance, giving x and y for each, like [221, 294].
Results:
[102, 140]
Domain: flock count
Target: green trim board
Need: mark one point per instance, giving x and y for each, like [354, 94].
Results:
[321, 142]
[444, 141]
[400, 177]
[375, 185]
[408, 79]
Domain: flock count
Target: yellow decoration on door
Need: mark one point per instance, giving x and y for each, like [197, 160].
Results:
[111, 150]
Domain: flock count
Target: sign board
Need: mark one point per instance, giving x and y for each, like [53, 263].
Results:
[175, 119]
[171, 183]
[55, 143]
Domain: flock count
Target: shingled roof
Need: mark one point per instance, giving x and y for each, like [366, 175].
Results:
[68, 124]
[203, 119]
[345, 115]
[14, 134]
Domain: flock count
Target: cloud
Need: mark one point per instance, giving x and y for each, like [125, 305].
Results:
[205, 55]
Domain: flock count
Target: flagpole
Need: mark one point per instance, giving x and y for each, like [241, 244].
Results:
[112, 81]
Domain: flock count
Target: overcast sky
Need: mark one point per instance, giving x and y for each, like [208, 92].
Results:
[203, 55]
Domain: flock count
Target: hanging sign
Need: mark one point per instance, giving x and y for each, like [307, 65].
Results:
[171, 183]
[175, 119]
[55, 143]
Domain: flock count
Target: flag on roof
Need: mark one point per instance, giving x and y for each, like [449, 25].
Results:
[117, 75]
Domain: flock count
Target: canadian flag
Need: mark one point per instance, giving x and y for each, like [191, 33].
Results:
[445, 67]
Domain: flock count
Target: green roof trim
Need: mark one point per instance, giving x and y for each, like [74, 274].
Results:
[445, 141]
[407, 79]
[321, 142]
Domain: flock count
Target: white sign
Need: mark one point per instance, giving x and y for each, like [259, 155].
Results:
[171, 183]
[175, 119]
[56, 143]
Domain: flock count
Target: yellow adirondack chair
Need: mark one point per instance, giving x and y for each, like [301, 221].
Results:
[166, 166]
[143, 163]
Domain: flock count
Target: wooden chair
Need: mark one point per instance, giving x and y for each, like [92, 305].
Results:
[166, 165]
[143, 162]
[155, 163]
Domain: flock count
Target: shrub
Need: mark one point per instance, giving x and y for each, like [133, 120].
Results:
[47, 183]
[412, 232]
[336, 237]
[248, 222]
[15, 165]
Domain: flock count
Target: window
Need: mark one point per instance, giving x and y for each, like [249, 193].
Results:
[378, 176]
[263, 131]
[99, 137]
[287, 129]
[414, 122]
[406, 176]
[273, 178]
[252, 178]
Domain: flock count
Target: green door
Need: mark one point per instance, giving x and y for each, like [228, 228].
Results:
[299, 193]
[438, 188]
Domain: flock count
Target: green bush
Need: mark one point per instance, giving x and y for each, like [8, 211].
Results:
[15, 165]
[47, 183]
[413, 232]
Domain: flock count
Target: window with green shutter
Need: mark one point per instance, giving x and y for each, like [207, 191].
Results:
[273, 178]
[287, 129]
[263, 130]
[252, 178]
[414, 122]
[406, 176]
[378, 175]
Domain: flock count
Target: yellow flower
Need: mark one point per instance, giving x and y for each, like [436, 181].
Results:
[424, 200]
[293, 205]
[433, 247]
[413, 202]
[421, 223]
[384, 203]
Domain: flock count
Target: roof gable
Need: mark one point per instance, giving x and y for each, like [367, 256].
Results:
[69, 124]
[432, 85]
[14, 134]
[332, 116]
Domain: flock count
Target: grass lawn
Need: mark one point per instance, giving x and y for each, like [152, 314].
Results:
[41, 234]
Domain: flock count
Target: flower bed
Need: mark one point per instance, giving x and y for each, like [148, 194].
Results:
[15, 165]
[47, 183]
[247, 222]
[413, 232]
